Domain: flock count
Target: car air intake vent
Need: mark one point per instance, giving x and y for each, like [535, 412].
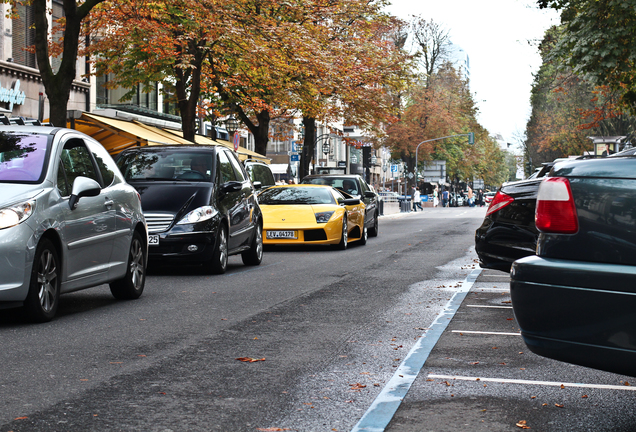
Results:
[315, 235]
[158, 222]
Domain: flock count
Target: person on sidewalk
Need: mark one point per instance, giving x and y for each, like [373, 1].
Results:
[471, 197]
[417, 200]
[445, 198]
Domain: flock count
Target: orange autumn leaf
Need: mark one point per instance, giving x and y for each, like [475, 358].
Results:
[21, 418]
[522, 424]
[249, 359]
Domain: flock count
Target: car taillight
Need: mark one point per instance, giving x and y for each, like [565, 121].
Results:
[555, 211]
[498, 202]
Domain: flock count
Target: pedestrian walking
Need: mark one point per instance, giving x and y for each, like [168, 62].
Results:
[480, 198]
[417, 200]
[445, 198]
[471, 197]
[435, 198]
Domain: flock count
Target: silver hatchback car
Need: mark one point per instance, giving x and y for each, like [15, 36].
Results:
[68, 220]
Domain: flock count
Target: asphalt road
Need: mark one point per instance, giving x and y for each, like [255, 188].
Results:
[330, 330]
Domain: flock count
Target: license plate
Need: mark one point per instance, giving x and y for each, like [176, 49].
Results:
[153, 240]
[281, 235]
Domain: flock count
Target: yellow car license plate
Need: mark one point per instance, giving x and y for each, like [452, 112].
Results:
[281, 235]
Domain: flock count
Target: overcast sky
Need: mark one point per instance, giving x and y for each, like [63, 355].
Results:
[495, 34]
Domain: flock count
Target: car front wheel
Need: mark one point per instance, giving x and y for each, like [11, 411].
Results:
[344, 239]
[373, 232]
[218, 265]
[44, 289]
[132, 284]
[254, 255]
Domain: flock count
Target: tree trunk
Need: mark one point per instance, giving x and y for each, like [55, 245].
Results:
[260, 131]
[309, 145]
[58, 86]
[188, 105]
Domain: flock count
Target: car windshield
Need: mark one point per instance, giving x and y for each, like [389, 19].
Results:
[22, 157]
[296, 195]
[347, 185]
[166, 165]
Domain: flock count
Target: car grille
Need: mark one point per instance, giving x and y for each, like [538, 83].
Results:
[158, 222]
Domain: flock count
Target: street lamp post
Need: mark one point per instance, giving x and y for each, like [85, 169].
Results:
[232, 125]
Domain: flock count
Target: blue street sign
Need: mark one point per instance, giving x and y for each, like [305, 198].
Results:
[295, 158]
[394, 168]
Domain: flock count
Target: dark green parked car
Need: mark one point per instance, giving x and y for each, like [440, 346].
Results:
[575, 300]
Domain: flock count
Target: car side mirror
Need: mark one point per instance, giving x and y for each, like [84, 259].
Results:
[257, 185]
[369, 194]
[352, 201]
[231, 186]
[83, 186]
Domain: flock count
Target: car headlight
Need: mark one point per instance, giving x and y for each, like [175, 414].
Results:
[198, 215]
[323, 217]
[17, 213]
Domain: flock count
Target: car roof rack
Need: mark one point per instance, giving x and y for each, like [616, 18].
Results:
[21, 121]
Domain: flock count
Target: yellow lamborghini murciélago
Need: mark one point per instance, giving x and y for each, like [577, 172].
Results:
[311, 214]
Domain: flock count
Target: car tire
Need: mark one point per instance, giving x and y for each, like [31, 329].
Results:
[218, 264]
[44, 288]
[344, 239]
[364, 237]
[131, 286]
[373, 232]
[254, 256]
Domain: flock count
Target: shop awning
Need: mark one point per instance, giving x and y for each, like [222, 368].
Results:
[243, 153]
[117, 135]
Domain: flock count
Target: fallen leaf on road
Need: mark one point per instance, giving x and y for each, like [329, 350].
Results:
[357, 386]
[584, 396]
[21, 418]
[562, 386]
[250, 359]
[522, 424]
[626, 383]
[558, 405]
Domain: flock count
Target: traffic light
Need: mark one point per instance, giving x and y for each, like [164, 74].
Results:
[471, 138]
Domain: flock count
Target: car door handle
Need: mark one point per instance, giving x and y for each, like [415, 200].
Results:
[109, 203]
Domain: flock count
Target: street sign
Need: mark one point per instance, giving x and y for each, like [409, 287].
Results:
[394, 168]
[354, 159]
[294, 158]
[237, 138]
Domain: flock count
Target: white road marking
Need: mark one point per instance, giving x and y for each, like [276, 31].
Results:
[491, 290]
[492, 307]
[529, 382]
[486, 333]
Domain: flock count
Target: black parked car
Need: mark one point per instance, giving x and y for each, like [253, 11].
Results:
[199, 204]
[355, 186]
[508, 232]
[575, 300]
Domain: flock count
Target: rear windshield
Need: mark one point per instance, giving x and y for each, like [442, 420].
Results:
[166, 165]
[296, 195]
[23, 157]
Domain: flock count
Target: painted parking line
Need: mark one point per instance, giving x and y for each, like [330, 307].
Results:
[530, 382]
[493, 290]
[485, 332]
[491, 307]
[388, 401]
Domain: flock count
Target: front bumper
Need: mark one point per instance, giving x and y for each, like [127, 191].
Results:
[17, 247]
[577, 312]
[187, 247]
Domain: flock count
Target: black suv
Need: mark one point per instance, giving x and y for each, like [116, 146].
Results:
[199, 204]
[355, 186]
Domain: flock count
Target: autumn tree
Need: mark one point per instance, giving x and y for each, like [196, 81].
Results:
[57, 85]
[432, 43]
[568, 108]
[598, 43]
[142, 42]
